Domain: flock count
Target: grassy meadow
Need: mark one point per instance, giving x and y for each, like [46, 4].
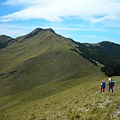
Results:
[74, 99]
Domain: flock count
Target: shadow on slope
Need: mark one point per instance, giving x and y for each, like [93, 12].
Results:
[106, 53]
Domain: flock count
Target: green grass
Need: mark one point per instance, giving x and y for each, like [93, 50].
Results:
[73, 99]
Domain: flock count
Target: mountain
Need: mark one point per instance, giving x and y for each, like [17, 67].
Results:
[44, 75]
[5, 40]
[40, 57]
[43, 56]
[35, 32]
[106, 53]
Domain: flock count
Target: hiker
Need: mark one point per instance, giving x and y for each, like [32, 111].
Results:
[111, 84]
[102, 86]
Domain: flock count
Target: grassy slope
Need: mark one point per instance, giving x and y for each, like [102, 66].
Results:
[37, 60]
[82, 101]
[41, 78]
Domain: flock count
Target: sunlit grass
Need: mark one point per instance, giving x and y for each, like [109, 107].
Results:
[82, 101]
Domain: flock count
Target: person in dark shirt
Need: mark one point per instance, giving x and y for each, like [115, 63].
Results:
[111, 84]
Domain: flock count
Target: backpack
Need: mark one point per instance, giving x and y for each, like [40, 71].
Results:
[112, 83]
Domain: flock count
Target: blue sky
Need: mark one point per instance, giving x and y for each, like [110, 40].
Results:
[88, 21]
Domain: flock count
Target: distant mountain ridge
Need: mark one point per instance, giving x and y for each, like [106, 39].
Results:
[106, 52]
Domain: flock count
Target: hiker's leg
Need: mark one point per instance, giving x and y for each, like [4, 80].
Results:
[109, 88]
[112, 89]
[103, 89]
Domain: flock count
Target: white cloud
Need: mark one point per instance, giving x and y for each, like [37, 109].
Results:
[14, 30]
[54, 10]
[30, 13]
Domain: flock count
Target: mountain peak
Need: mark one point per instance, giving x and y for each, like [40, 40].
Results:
[36, 31]
[50, 29]
[106, 43]
[4, 38]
